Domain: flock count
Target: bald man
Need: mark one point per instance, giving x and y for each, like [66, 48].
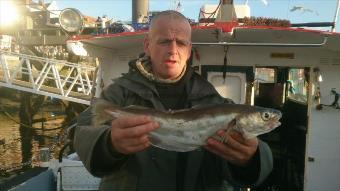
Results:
[120, 152]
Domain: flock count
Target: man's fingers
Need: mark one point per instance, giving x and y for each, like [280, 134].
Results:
[221, 149]
[237, 140]
[234, 140]
[235, 149]
[132, 142]
[139, 130]
[131, 145]
[128, 127]
[129, 134]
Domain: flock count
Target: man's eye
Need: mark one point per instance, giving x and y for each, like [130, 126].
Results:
[181, 43]
[178, 43]
[164, 42]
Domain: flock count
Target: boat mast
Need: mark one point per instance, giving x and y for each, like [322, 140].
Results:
[336, 15]
[140, 9]
[226, 12]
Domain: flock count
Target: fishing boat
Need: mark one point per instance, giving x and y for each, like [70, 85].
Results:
[291, 68]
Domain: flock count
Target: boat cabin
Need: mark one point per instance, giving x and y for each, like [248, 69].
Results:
[294, 70]
[290, 69]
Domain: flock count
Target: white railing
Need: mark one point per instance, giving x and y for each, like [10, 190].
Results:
[56, 78]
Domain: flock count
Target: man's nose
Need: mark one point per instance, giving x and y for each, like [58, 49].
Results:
[172, 48]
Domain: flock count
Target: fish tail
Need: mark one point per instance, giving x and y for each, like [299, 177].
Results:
[102, 111]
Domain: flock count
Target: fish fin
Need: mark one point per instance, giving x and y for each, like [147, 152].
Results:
[201, 105]
[207, 105]
[230, 126]
[189, 109]
[177, 148]
[156, 142]
[102, 111]
[137, 107]
[248, 135]
[224, 138]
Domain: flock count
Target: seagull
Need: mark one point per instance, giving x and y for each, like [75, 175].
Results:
[179, 7]
[303, 9]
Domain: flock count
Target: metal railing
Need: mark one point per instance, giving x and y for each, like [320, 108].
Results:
[56, 78]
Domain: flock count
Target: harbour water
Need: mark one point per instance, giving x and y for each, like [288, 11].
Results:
[20, 144]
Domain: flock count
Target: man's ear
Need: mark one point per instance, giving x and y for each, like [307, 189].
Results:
[190, 51]
[146, 45]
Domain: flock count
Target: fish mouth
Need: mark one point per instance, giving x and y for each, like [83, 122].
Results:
[276, 121]
[274, 124]
[278, 116]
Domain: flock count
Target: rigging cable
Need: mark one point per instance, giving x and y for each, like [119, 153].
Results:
[211, 14]
[25, 125]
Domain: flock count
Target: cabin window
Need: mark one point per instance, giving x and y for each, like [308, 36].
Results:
[297, 85]
[263, 75]
[268, 91]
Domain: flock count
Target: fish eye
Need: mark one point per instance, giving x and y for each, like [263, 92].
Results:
[265, 116]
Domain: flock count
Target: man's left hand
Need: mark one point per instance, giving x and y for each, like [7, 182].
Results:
[236, 149]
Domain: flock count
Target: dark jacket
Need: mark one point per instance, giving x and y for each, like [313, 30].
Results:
[154, 168]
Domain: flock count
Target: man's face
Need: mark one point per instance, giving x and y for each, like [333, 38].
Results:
[169, 46]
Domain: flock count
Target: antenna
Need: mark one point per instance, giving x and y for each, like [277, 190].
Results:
[265, 2]
[179, 7]
[176, 5]
[336, 15]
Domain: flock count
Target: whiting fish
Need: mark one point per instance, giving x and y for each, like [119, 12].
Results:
[187, 129]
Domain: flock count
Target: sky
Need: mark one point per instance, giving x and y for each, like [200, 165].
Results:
[316, 10]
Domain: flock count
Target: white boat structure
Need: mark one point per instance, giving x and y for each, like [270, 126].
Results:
[292, 69]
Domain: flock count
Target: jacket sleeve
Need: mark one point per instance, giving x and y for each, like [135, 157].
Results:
[255, 173]
[92, 144]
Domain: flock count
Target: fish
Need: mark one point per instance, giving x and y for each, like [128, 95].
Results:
[188, 129]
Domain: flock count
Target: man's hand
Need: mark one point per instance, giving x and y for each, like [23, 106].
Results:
[237, 150]
[130, 134]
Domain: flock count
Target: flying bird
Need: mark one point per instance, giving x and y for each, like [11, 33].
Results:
[303, 10]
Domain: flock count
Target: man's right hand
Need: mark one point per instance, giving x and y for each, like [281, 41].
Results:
[130, 134]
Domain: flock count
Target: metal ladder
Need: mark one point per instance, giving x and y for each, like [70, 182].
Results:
[56, 78]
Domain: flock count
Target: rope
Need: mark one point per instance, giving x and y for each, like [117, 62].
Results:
[11, 143]
[213, 11]
[12, 118]
[25, 125]
[18, 166]
[14, 166]
[212, 14]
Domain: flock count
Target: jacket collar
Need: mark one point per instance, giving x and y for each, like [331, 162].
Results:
[197, 87]
[143, 65]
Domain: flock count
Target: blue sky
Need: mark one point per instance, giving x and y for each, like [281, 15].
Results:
[323, 10]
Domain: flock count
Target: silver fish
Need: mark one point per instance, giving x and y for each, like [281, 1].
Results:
[187, 129]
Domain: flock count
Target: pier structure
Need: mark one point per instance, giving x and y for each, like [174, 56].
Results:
[56, 78]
